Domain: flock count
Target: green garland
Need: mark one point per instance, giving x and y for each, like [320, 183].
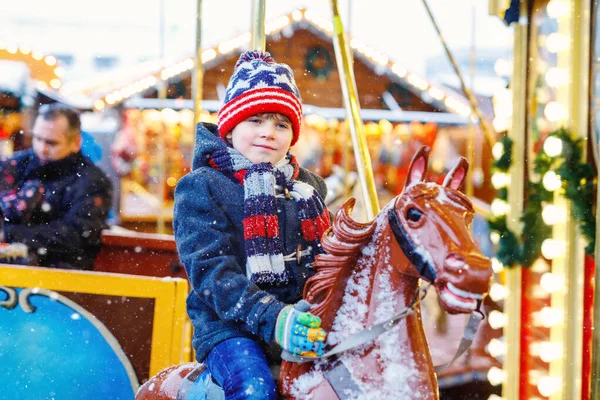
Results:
[577, 179]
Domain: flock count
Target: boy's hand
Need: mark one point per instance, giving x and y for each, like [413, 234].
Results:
[300, 332]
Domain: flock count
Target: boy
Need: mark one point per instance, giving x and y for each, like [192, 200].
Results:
[248, 223]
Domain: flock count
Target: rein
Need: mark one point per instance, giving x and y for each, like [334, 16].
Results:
[365, 335]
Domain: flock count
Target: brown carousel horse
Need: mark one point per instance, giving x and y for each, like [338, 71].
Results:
[368, 277]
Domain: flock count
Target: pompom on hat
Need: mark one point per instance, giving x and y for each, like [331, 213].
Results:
[260, 85]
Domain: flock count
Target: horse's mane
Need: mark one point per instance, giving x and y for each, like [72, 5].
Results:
[342, 244]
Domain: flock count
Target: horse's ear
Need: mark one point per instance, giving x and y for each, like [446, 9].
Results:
[418, 166]
[455, 178]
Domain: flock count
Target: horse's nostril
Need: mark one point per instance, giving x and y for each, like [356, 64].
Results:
[454, 261]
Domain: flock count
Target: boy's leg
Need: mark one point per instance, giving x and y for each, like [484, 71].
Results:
[240, 367]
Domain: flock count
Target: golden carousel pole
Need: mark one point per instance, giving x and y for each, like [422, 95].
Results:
[513, 276]
[486, 131]
[198, 76]
[162, 95]
[350, 93]
[258, 39]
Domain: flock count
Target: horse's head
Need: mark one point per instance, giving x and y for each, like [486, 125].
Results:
[431, 223]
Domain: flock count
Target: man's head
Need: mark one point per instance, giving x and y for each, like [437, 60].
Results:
[56, 132]
[259, 86]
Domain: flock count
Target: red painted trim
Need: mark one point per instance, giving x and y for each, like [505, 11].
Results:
[588, 326]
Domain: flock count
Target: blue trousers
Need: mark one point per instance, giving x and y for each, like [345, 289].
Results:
[241, 368]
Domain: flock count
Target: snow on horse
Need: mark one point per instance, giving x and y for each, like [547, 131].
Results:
[369, 275]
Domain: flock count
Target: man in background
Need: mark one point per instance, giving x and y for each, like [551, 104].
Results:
[53, 199]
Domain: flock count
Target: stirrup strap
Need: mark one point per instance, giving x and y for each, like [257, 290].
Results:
[469, 333]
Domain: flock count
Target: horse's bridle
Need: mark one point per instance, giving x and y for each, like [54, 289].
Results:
[424, 267]
[339, 372]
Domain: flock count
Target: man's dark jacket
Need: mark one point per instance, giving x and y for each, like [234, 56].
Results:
[207, 222]
[62, 228]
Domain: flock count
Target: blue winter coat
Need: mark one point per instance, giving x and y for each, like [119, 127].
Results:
[207, 222]
[63, 228]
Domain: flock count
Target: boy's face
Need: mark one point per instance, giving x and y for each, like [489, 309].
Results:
[263, 137]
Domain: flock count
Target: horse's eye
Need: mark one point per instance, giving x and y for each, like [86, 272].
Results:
[413, 214]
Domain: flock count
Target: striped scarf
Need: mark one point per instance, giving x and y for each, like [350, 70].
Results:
[264, 250]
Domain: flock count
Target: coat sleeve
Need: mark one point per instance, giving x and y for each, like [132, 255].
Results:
[81, 223]
[204, 237]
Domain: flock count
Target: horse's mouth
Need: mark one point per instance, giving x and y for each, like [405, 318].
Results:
[457, 300]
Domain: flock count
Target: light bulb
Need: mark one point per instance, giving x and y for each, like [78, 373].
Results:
[496, 348]
[547, 317]
[496, 376]
[499, 207]
[498, 292]
[497, 150]
[557, 8]
[551, 282]
[548, 385]
[550, 351]
[552, 214]
[500, 180]
[556, 42]
[497, 266]
[497, 320]
[555, 112]
[553, 248]
[556, 77]
[553, 146]
[551, 181]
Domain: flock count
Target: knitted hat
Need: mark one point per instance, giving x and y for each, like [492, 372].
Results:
[260, 85]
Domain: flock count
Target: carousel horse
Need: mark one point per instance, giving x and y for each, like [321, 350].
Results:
[368, 279]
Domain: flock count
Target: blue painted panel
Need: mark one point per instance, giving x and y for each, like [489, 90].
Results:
[59, 352]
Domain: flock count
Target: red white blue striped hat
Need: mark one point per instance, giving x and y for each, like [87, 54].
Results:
[260, 85]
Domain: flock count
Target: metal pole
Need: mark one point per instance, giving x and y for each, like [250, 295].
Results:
[518, 169]
[488, 135]
[579, 21]
[162, 95]
[471, 137]
[258, 40]
[359, 141]
[198, 76]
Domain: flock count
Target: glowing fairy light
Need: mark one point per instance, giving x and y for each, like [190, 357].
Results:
[552, 248]
[547, 317]
[557, 8]
[551, 282]
[498, 292]
[496, 376]
[50, 60]
[548, 385]
[555, 112]
[552, 214]
[497, 319]
[553, 146]
[551, 181]
[549, 351]
[496, 348]
[497, 266]
[297, 15]
[556, 42]
[500, 180]
[556, 77]
[99, 105]
[499, 207]
[498, 150]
